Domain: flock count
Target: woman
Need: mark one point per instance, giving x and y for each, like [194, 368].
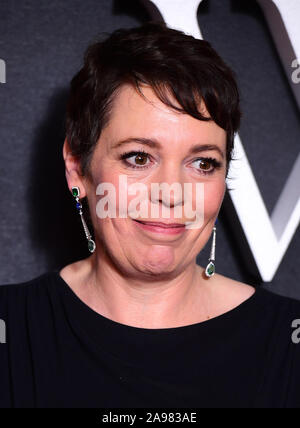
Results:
[138, 323]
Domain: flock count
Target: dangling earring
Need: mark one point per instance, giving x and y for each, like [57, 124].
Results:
[91, 243]
[210, 268]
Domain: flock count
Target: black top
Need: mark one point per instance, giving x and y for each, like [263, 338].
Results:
[61, 353]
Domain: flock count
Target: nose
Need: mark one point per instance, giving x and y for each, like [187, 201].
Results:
[170, 180]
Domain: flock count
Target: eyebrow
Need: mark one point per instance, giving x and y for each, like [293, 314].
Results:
[156, 145]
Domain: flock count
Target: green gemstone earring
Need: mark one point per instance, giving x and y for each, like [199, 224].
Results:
[210, 268]
[91, 243]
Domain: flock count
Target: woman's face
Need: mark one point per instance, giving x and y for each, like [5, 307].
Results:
[138, 250]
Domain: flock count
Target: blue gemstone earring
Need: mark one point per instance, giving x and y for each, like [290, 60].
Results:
[91, 243]
[210, 268]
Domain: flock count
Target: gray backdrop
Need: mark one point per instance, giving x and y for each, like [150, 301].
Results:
[43, 43]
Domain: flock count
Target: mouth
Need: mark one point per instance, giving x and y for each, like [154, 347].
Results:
[158, 227]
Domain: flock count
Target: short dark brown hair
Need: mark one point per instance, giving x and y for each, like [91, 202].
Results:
[164, 58]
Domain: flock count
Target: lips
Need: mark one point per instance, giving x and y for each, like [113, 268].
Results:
[162, 225]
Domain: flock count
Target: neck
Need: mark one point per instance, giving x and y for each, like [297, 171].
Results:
[173, 300]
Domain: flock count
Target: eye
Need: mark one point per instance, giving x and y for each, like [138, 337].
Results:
[208, 165]
[139, 159]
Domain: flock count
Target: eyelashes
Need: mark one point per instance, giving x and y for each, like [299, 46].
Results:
[208, 160]
[212, 162]
[131, 154]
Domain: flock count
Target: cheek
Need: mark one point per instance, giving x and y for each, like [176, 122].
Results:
[105, 193]
[115, 197]
[213, 197]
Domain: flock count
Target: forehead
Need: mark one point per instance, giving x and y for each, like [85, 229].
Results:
[133, 115]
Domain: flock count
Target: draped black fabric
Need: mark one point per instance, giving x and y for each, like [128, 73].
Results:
[61, 353]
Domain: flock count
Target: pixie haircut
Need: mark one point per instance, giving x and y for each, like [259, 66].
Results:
[168, 60]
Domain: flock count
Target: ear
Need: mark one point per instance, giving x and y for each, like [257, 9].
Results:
[73, 170]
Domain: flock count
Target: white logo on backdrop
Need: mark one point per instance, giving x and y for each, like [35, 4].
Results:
[2, 71]
[268, 237]
[2, 331]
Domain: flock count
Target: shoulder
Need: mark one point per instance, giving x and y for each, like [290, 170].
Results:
[25, 285]
[26, 293]
[29, 308]
[226, 293]
[271, 303]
